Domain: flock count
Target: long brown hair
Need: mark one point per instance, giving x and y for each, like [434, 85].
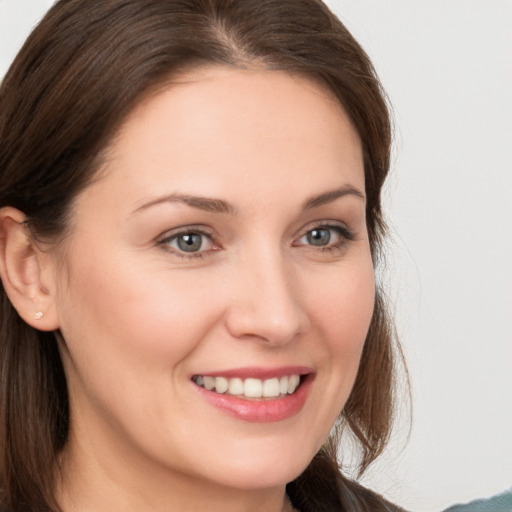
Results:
[81, 71]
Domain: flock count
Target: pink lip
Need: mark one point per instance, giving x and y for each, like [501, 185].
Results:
[260, 411]
[259, 373]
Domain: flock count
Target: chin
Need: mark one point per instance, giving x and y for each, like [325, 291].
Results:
[263, 476]
[272, 465]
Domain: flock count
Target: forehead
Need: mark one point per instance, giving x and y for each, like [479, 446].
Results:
[220, 125]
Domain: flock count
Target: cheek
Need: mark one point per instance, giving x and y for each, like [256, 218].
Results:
[119, 314]
[343, 315]
[343, 309]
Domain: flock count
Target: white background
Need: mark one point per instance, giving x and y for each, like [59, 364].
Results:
[447, 66]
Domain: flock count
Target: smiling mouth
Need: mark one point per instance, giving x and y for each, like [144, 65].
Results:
[250, 388]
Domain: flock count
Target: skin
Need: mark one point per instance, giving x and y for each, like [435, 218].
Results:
[139, 317]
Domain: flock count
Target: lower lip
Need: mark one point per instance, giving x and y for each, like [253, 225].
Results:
[260, 411]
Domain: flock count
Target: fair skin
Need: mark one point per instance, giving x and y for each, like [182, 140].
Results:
[270, 276]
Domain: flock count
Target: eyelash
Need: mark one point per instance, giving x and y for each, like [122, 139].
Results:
[345, 234]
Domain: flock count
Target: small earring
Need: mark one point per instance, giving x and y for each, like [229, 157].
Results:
[39, 315]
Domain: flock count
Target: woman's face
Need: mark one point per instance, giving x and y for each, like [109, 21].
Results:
[224, 244]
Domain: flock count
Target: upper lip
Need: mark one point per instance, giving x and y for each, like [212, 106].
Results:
[258, 372]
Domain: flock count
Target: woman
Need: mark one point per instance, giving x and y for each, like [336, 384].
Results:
[190, 220]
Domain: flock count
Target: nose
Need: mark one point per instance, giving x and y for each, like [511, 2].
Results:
[266, 304]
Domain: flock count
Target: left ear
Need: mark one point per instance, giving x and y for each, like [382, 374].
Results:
[27, 272]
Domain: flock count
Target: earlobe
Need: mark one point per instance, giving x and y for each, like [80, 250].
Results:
[21, 262]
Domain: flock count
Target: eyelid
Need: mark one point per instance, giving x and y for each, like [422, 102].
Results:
[341, 227]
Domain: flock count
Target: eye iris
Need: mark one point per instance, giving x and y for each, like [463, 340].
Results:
[319, 237]
[190, 243]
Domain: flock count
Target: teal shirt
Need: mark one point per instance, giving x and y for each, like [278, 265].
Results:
[500, 503]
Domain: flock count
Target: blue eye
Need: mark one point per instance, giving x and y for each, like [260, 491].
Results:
[192, 242]
[326, 237]
[319, 237]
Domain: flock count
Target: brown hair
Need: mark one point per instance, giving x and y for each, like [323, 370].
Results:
[81, 71]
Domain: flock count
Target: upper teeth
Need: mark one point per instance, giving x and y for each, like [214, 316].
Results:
[251, 388]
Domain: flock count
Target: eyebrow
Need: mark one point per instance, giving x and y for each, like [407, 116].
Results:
[206, 204]
[209, 204]
[332, 195]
